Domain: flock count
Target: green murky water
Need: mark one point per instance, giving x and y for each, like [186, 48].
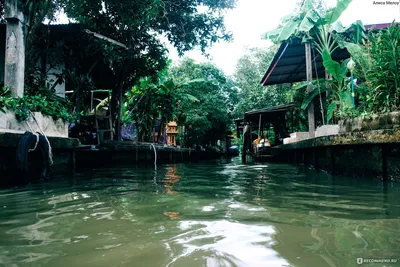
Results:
[203, 214]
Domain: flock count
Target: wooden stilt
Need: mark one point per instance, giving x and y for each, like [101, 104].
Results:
[244, 146]
[311, 118]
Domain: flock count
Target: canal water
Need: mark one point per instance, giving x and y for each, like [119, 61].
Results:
[202, 214]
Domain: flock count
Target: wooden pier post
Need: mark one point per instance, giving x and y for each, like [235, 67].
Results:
[311, 118]
[244, 145]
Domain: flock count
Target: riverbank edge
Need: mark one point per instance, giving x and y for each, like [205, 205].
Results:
[373, 153]
[69, 155]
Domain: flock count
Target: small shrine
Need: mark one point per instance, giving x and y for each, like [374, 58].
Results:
[172, 132]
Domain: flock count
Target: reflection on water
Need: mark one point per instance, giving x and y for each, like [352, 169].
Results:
[170, 179]
[205, 214]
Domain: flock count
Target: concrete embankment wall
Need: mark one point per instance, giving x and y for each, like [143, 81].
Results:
[63, 156]
[125, 153]
[358, 154]
[366, 146]
[69, 155]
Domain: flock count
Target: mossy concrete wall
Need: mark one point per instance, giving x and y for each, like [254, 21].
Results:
[386, 121]
[359, 154]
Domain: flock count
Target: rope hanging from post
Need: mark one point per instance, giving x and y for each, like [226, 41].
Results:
[47, 140]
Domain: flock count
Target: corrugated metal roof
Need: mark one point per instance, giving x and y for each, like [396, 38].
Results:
[289, 64]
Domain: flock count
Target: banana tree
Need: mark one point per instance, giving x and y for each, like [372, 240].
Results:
[326, 34]
[339, 89]
[308, 22]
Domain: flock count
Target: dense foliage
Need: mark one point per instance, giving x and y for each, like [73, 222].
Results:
[208, 119]
[321, 29]
[154, 98]
[250, 69]
[138, 26]
[197, 95]
[47, 104]
[377, 69]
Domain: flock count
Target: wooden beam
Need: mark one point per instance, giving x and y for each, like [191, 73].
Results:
[100, 36]
[311, 118]
[273, 67]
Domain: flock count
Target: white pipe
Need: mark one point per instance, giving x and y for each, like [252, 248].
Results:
[155, 155]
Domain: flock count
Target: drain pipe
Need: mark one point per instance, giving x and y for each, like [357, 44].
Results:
[155, 155]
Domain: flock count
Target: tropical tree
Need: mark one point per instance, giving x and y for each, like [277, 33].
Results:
[312, 26]
[152, 99]
[137, 25]
[250, 69]
[207, 120]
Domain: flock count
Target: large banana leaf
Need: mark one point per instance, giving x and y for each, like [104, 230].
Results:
[288, 30]
[309, 20]
[338, 27]
[308, 5]
[353, 49]
[332, 67]
[331, 108]
[272, 35]
[345, 97]
[313, 94]
[355, 31]
[334, 14]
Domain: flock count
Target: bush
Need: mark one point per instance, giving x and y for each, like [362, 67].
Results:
[378, 65]
[47, 105]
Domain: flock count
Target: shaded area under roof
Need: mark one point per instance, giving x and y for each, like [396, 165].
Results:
[74, 38]
[289, 63]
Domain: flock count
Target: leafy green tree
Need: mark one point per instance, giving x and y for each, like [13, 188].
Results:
[152, 99]
[138, 25]
[146, 102]
[207, 120]
[250, 69]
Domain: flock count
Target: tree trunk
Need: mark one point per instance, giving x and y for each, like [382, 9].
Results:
[116, 111]
[160, 130]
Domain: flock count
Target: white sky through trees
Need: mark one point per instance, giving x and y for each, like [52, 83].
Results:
[251, 18]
